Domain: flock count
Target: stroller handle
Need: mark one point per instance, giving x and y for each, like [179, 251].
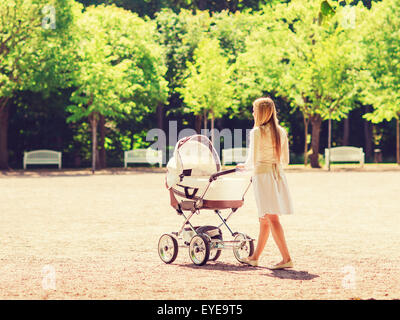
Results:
[221, 173]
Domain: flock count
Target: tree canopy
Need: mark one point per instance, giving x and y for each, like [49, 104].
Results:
[208, 87]
[120, 67]
[34, 51]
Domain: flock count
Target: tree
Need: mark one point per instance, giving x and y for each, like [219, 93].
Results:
[232, 30]
[179, 35]
[258, 67]
[307, 58]
[34, 52]
[208, 87]
[120, 68]
[334, 76]
[382, 45]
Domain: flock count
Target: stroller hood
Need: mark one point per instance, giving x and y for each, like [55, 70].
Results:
[194, 156]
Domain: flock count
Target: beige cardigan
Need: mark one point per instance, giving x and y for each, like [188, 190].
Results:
[262, 152]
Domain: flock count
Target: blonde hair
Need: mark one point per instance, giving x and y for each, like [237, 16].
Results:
[265, 114]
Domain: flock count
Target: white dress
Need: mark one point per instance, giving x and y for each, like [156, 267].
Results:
[269, 181]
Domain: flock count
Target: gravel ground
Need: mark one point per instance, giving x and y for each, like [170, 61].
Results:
[73, 235]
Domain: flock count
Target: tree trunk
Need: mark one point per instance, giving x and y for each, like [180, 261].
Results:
[306, 121]
[160, 116]
[102, 163]
[212, 128]
[98, 166]
[219, 124]
[93, 119]
[77, 159]
[329, 139]
[3, 135]
[367, 136]
[316, 122]
[346, 131]
[398, 138]
[197, 123]
[205, 119]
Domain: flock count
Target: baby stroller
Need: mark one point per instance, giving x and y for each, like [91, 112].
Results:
[195, 182]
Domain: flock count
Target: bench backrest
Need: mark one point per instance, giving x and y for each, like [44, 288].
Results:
[234, 155]
[143, 156]
[42, 155]
[345, 154]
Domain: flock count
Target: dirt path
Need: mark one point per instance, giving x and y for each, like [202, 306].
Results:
[78, 236]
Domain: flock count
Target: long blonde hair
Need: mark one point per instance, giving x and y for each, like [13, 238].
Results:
[265, 114]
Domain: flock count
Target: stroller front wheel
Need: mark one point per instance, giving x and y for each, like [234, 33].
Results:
[199, 249]
[167, 248]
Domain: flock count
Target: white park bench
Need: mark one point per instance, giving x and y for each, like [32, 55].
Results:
[149, 155]
[236, 155]
[42, 157]
[345, 154]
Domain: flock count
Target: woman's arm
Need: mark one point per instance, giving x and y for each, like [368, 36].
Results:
[249, 164]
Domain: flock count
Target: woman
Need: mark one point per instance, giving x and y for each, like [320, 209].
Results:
[269, 149]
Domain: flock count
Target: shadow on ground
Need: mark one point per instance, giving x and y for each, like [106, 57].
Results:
[219, 266]
[292, 274]
[228, 267]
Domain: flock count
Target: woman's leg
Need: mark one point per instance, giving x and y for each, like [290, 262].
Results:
[262, 238]
[279, 236]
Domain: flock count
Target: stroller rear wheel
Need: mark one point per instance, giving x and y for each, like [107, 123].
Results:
[243, 248]
[167, 248]
[199, 249]
[213, 233]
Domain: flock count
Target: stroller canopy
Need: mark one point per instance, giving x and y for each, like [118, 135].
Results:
[193, 156]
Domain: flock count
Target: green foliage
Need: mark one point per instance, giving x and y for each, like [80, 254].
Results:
[120, 67]
[326, 12]
[382, 47]
[139, 139]
[316, 67]
[34, 46]
[179, 35]
[259, 68]
[208, 86]
[232, 30]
